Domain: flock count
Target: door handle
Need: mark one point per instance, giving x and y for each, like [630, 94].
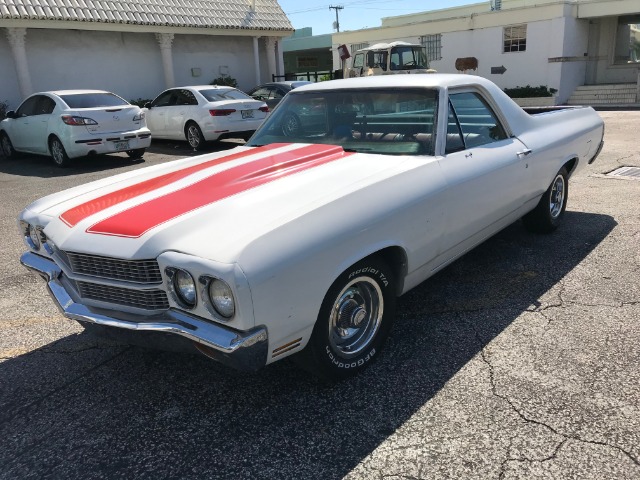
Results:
[523, 153]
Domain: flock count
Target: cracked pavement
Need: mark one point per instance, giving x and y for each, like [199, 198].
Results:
[520, 360]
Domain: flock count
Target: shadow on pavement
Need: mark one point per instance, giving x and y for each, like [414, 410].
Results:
[28, 165]
[74, 409]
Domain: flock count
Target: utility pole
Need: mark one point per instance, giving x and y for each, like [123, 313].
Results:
[336, 8]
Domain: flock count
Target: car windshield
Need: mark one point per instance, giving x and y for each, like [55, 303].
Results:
[408, 58]
[384, 121]
[215, 95]
[93, 100]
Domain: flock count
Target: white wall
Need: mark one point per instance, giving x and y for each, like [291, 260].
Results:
[216, 55]
[129, 64]
[9, 89]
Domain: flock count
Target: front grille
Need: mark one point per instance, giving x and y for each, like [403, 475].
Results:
[145, 299]
[137, 271]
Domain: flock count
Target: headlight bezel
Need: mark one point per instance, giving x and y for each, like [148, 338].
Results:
[206, 282]
[177, 293]
[33, 235]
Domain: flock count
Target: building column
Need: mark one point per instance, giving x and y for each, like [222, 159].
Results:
[271, 55]
[165, 40]
[280, 59]
[16, 37]
[256, 59]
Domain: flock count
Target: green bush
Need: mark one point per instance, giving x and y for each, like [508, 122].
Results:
[4, 108]
[140, 102]
[225, 81]
[530, 92]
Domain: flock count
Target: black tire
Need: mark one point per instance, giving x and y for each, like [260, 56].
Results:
[6, 147]
[136, 153]
[291, 125]
[548, 214]
[194, 136]
[353, 323]
[58, 153]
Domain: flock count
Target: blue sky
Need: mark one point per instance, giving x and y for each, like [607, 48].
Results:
[356, 14]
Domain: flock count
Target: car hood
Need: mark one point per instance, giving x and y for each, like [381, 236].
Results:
[212, 206]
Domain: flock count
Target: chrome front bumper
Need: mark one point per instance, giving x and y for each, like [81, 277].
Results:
[242, 350]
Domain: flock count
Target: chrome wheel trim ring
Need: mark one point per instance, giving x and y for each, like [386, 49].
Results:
[193, 136]
[556, 200]
[356, 316]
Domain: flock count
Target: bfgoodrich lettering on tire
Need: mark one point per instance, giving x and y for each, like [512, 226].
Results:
[353, 323]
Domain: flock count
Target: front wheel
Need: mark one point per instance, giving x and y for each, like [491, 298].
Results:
[58, 153]
[6, 146]
[353, 323]
[136, 153]
[547, 215]
[194, 136]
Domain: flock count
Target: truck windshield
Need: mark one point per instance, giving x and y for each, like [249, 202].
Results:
[383, 121]
[408, 58]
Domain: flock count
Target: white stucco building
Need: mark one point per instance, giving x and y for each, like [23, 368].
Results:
[136, 49]
[563, 44]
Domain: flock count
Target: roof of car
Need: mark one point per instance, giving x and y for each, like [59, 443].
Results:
[412, 80]
[75, 92]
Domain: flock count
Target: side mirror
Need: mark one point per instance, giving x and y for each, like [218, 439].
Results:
[147, 105]
[11, 114]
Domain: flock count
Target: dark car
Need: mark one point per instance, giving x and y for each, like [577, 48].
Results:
[273, 92]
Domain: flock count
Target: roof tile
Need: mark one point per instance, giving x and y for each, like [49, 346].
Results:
[175, 13]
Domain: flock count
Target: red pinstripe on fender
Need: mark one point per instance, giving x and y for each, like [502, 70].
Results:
[141, 218]
[76, 214]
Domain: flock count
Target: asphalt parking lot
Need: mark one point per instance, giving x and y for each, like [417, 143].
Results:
[520, 360]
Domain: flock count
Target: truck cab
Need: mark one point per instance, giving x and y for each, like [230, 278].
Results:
[389, 59]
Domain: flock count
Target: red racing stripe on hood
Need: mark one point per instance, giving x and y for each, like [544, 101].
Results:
[75, 215]
[139, 219]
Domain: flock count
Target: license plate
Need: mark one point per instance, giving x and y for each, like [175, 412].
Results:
[121, 145]
[247, 113]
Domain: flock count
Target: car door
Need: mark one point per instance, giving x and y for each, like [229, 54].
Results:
[40, 123]
[484, 169]
[178, 114]
[157, 114]
[23, 123]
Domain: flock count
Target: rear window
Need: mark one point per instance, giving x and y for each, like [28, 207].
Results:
[215, 95]
[92, 100]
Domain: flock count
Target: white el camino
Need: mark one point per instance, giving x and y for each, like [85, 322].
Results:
[349, 195]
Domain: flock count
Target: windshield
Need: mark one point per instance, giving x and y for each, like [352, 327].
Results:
[384, 121]
[93, 100]
[215, 95]
[408, 58]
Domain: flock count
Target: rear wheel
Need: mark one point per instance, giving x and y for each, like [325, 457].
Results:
[58, 153]
[547, 215]
[291, 125]
[353, 323]
[136, 153]
[6, 146]
[194, 136]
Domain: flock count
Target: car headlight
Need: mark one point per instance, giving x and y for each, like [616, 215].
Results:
[221, 298]
[184, 287]
[34, 235]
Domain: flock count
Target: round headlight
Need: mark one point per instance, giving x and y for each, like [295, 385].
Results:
[185, 288]
[222, 298]
[34, 235]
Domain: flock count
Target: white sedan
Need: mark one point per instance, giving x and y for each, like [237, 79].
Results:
[204, 113]
[67, 124]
